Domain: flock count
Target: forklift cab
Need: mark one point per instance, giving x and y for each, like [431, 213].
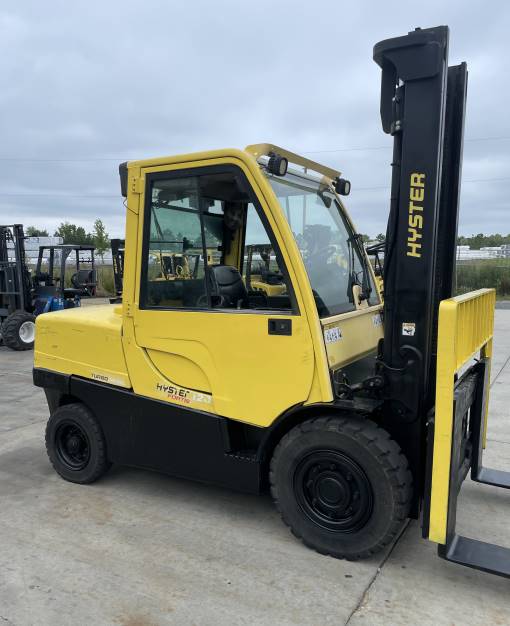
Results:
[83, 282]
[268, 249]
[118, 249]
[209, 242]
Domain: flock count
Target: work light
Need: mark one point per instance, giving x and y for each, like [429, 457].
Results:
[277, 164]
[343, 186]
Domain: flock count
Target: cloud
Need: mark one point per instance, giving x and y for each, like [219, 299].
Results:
[109, 81]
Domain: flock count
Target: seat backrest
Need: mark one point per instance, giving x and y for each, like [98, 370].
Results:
[86, 276]
[227, 283]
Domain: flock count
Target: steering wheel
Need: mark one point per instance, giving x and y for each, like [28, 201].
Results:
[202, 302]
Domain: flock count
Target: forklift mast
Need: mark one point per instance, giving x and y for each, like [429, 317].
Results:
[14, 275]
[422, 107]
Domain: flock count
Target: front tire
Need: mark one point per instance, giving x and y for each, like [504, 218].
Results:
[341, 485]
[18, 331]
[76, 445]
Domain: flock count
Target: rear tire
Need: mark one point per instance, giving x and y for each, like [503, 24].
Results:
[341, 485]
[18, 331]
[76, 445]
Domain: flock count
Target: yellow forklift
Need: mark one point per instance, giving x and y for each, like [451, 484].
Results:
[376, 254]
[261, 273]
[355, 414]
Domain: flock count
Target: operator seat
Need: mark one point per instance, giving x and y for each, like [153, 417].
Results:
[227, 284]
[85, 281]
[43, 279]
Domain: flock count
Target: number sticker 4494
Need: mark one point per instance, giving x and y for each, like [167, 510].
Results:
[332, 335]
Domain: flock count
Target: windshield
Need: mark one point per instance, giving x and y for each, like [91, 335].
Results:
[328, 245]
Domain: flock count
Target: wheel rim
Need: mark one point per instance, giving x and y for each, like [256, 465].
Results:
[27, 332]
[333, 491]
[72, 445]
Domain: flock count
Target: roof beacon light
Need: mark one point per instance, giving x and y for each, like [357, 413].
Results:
[277, 164]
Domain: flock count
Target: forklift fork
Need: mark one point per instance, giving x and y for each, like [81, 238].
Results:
[457, 431]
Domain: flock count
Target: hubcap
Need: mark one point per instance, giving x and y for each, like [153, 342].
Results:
[27, 332]
[72, 445]
[333, 491]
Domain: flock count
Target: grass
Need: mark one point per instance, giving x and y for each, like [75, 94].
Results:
[481, 273]
[105, 284]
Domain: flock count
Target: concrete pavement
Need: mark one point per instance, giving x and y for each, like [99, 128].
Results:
[138, 548]
[415, 586]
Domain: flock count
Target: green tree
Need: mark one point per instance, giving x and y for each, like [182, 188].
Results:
[101, 238]
[381, 237]
[33, 231]
[482, 241]
[71, 233]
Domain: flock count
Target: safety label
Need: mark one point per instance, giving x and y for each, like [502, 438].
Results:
[408, 329]
[332, 335]
[377, 319]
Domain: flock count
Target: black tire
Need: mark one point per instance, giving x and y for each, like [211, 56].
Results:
[76, 445]
[341, 485]
[11, 331]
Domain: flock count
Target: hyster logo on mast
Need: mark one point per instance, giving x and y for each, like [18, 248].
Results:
[416, 196]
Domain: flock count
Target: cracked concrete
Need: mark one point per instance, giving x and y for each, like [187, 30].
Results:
[138, 548]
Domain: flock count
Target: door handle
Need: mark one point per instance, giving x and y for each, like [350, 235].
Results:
[279, 327]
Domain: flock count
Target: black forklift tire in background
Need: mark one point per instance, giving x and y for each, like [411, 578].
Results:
[18, 330]
[76, 445]
[342, 485]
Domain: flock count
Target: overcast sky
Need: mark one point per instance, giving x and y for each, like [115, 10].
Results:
[86, 85]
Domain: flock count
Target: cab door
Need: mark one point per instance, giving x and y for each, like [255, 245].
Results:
[200, 338]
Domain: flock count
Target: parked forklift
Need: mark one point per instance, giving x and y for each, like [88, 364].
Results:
[262, 272]
[376, 255]
[16, 303]
[117, 247]
[23, 296]
[356, 414]
[83, 279]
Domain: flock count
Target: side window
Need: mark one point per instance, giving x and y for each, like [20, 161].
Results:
[206, 246]
[175, 267]
[263, 275]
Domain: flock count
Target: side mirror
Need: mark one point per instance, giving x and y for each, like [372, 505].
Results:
[343, 186]
[123, 173]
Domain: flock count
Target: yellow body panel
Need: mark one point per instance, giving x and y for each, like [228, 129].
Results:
[184, 369]
[150, 381]
[246, 370]
[358, 334]
[466, 326]
[84, 341]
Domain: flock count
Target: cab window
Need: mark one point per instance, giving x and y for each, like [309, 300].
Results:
[331, 253]
[206, 246]
[262, 273]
